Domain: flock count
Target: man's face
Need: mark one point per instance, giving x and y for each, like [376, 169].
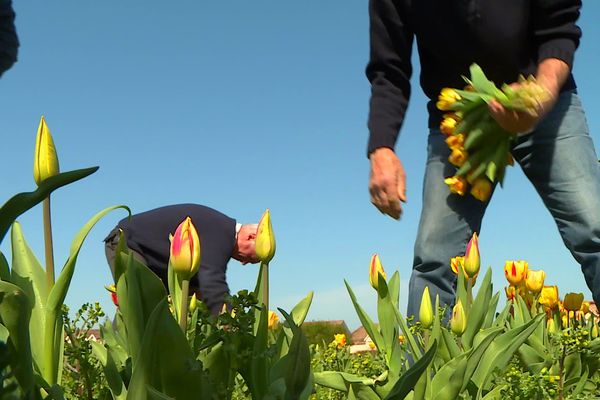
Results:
[245, 249]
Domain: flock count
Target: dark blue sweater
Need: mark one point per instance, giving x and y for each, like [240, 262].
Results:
[505, 37]
[9, 43]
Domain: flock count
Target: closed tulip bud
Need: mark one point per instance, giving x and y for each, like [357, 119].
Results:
[193, 303]
[375, 270]
[449, 123]
[185, 249]
[273, 319]
[594, 331]
[458, 156]
[511, 292]
[265, 238]
[516, 272]
[426, 310]
[45, 163]
[455, 141]
[457, 184]
[340, 340]
[572, 301]
[535, 281]
[113, 294]
[447, 98]
[458, 323]
[549, 296]
[551, 326]
[481, 189]
[472, 260]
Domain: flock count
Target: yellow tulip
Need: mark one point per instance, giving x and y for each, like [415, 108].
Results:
[458, 156]
[426, 310]
[457, 261]
[447, 98]
[340, 340]
[535, 280]
[456, 141]
[45, 163]
[375, 270]
[185, 249]
[273, 319]
[457, 184]
[458, 322]
[401, 339]
[371, 345]
[549, 296]
[481, 189]
[511, 292]
[550, 326]
[449, 123]
[516, 272]
[572, 301]
[265, 238]
[585, 307]
[472, 260]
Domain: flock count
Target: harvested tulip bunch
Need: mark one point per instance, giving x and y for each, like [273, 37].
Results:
[480, 148]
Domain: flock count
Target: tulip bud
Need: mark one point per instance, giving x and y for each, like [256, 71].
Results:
[113, 294]
[550, 326]
[185, 249]
[535, 281]
[472, 261]
[273, 319]
[426, 310]
[549, 296]
[457, 261]
[265, 238]
[481, 189]
[375, 270]
[511, 292]
[594, 331]
[585, 307]
[516, 272]
[340, 340]
[458, 323]
[572, 301]
[193, 303]
[456, 184]
[447, 98]
[45, 163]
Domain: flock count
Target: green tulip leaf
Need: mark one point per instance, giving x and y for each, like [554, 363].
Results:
[166, 362]
[491, 312]
[407, 381]
[4, 268]
[341, 380]
[297, 366]
[111, 372]
[22, 202]
[15, 312]
[29, 275]
[259, 365]
[365, 320]
[394, 288]
[386, 318]
[479, 308]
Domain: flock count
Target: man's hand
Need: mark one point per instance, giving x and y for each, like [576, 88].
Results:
[387, 183]
[551, 76]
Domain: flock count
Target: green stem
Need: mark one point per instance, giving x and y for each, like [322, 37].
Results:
[469, 294]
[185, 288]
[561, 367]
[265, 286]
[49, 252]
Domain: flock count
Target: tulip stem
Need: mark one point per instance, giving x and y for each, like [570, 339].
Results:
[265, 285]
[49, 252]
[469, 293]
[185, 289]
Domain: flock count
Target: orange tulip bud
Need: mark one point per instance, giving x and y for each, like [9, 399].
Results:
[185, 249]
[457, 184]
[481, 189]
[458, 156]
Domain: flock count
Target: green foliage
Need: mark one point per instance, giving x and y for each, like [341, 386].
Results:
[8, 385]
[82, 374]
[319, 332]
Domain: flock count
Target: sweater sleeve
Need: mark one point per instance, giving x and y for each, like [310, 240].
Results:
[9, 42]
[555, 30]
[389, 70]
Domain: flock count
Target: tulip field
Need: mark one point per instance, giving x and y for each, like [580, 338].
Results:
[164, 344]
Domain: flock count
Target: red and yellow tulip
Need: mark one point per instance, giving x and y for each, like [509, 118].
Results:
[472, 259]
[375, 270]
[516, 272]
[185, 249]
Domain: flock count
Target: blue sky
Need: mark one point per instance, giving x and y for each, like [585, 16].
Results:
[241, 106]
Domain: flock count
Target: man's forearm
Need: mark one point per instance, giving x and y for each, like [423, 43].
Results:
[552, 74]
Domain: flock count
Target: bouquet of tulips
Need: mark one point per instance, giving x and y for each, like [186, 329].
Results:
[480, 148]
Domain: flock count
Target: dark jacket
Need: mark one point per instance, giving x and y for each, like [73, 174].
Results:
[506, 38]
[148, 234]
[9, 43]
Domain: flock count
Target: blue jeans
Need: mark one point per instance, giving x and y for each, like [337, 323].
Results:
[558, 158]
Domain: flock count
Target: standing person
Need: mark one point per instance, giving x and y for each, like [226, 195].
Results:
[554, 148]
[221, 238]
[9, 42]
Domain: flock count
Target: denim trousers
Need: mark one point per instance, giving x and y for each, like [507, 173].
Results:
[558, 158]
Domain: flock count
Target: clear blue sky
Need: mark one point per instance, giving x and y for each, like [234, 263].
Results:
[241, 106]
